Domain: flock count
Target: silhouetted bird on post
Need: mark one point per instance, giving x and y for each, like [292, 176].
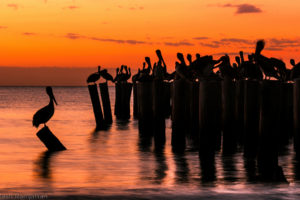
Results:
[94, 77]
[264, 62]
[295, 72]
[104, 74]
[43, 115]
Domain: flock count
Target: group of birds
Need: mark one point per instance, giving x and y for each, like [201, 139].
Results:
[122, 75]
[257, 67]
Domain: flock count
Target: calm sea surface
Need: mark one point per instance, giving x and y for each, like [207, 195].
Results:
[112, 164]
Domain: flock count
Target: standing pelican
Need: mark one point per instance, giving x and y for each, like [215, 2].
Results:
[43, 115]
[94, 76]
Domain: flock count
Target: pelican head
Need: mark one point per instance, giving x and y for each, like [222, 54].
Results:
[50, 93]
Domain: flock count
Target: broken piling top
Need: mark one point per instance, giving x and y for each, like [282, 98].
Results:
[50, 140]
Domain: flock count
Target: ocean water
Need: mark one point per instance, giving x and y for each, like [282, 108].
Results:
[112, 164]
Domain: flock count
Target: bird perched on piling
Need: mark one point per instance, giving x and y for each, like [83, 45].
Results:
[44, 114]
[104, 74]
[94, 76]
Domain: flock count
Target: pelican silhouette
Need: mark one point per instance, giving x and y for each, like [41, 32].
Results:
[104, 74]
[94, 76]
[44, 114]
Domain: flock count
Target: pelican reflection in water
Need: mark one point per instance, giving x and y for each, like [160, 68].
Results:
[44, 114]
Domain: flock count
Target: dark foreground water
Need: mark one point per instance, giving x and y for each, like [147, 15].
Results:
[113, 164]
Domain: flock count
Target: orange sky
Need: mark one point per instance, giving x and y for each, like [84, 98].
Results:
[86, 33]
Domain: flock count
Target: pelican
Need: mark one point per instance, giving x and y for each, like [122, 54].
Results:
[104, 74]
[43, 115]
[94, 76]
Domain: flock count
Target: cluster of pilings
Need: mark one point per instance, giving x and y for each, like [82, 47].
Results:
[103, 116]
[210, 115]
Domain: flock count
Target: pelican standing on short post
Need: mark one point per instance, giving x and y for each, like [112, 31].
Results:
[44, 114]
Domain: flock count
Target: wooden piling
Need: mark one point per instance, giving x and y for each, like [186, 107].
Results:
[158, 113]
[296, 95]
[286, 125]
[239, 111]
[269, 128]
[228, 116]
[210, 114]
[179, 108]
[126, 95]
[50, 140]
[145, 108]
[105, 102]
[192, 99]
[122, 100]
[167, 99]
[135, 101]
[251, 118]
[93, 90]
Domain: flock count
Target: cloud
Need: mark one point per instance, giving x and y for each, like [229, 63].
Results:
[131, 7]
[71, 7]
[236, 40]
[211, 45]
[75, 36]
[3, 27]
[243, 8]
[200, 38]
[28, 33]
[13, 5]
[176, 44]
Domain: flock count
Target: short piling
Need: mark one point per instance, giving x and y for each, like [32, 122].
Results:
[210, 115]
[228, 116]
[158, 113]
[296, 95]
[145, 108]
[50, 140]
[251, 118]
[135, 101]
[167, 99]
[269, 128]
[179, 113]
[105, 102]
[239, 111]
[93, 90]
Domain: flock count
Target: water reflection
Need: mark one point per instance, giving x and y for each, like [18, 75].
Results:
[229, 168]
[43, 165]
[161, 167]
[182, 168]
[122, 124]
[208, 168]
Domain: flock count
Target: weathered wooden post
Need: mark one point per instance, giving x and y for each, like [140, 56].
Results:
[251, 118]
[93, 90]
[126, 95]
[286, 125]
[158, 113]
[135, 101]
[210, 114]
[228, 116]
[50, 140]
[145, 108]
[105, 102]
[192, 99]
[239, 111]
[296, 94]
[269, 128]
[179, 107]
[167, 99]
[118, 99]
[122, 101]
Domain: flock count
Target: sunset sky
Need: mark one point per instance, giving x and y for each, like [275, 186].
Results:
[86, 33]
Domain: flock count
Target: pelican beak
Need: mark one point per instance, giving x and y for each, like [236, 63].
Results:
[54, 100]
